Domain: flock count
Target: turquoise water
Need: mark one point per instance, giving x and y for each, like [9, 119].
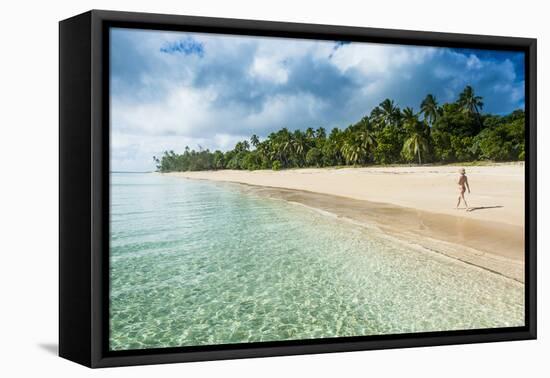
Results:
[197, 263]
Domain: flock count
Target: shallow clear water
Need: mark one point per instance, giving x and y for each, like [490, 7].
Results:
[196, 262]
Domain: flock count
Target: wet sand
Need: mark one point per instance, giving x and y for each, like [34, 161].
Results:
[482, 241]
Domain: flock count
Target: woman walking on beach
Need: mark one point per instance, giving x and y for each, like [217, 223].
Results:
[462, 185]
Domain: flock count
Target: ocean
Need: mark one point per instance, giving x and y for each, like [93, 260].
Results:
[201, 263]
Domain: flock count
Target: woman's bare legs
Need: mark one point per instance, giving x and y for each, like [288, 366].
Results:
[461, 198]
[464, 199]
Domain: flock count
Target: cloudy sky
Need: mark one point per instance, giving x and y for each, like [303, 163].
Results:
[172, 89]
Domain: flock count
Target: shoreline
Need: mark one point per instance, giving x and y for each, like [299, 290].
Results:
[497, 246]
[497, 190]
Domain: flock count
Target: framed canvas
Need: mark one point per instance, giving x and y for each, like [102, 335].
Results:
[235, 188]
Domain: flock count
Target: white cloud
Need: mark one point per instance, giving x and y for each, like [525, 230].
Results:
[183, 110]
[514, 90]
[473, 62]
[269, 69]
[375, 59]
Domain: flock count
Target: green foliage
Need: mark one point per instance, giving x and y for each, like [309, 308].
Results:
[503, 142]
[314, 157]
[353, 150]
[385, 114]
[389, 142]
[415, 147]
[453, 132]
[252, 161]
[463, 148]
[454, 121]
[276, 166]
[429, 109]
[442, 146]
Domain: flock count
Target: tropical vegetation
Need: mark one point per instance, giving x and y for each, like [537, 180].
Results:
[452, 132]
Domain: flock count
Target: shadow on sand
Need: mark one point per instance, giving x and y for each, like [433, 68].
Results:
[483, 208]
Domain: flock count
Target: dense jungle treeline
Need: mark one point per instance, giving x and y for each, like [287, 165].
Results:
[447, 133]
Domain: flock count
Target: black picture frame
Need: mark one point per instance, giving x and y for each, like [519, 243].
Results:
[84, 187]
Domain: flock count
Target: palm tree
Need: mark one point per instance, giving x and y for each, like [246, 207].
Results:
[429, 108]
[386, 114]
[353, 150]
[470, 103]
[363, 124]
[366, 139]
[417, 144]
[333, 146]
[410, 119]
[357, 146]
[255, 140]
[320, 133]
[281, 146]
[264, 147]
[286, 140]
[242, 146]
[299, 145]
